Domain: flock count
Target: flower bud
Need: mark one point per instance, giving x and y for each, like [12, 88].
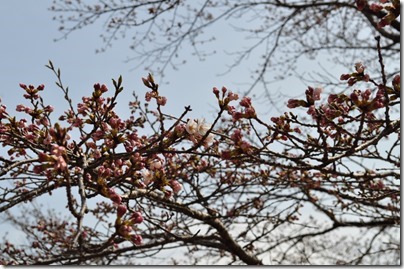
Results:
[137, 218]
[175, 185]
[121, 210]
[136, 239]
[216, 92]
[116, 198]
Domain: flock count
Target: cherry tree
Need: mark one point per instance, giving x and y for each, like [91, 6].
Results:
[318, 184]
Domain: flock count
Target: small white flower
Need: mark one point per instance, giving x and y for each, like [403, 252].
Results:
[147, 176]
[191, 126]
[208, 140]
[202, 127]
[156, 164]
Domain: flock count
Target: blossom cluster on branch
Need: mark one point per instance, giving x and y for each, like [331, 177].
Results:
[239, 178]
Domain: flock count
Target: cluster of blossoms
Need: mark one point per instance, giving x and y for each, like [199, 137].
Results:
[312, 95]
[155, 175]
[57, 157]
[282, 126]
[359, 75]
[391, 9]
[247, 110]
[112, 159]
[153, 94]
[125, 227]
[240, 146]
[197, 129]
[339, 106]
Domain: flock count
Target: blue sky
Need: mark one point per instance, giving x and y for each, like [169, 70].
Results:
[28, 33]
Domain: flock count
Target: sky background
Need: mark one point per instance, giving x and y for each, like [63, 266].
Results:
[28, 42]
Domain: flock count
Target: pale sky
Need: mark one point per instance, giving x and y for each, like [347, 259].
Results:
[28, 33]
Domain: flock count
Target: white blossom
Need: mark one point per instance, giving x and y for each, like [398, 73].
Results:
[202, 127]
[191, 126]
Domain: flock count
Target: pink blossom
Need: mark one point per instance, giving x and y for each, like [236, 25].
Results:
[236, 136]
[97, 135]
[82, 109]
[316, 93]
[237, 115]
[175, 186]
[60, 164]
[232, 96]
[179, 129]
[49, 108]
[58, 150]
[3, 112]
[20, 108]
[148, 96]
[124, 229]
[359, 67]
[161, 100]
[77, 122]
[38, 169]
[312, 111]
[250, 112]
[245, 102]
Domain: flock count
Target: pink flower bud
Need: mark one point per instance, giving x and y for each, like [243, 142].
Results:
[360, 68]
[137, 218]
[124, 230]
[216, 92]
[232, 96]
[245, 102]
[175, 185]
[345, 76]
[361, 4]
[97, 86]
[293, 103]
[161, 100]
[136, 239]
[103, 88]
[121, 210]
[116, 199]
[375, 7]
